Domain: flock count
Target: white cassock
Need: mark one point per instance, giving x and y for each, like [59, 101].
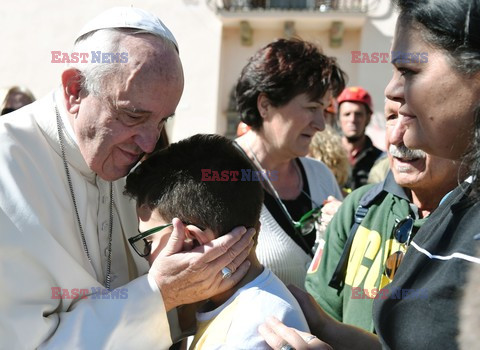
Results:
[41, 248]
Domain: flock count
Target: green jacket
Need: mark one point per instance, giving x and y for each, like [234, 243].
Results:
[387, 204]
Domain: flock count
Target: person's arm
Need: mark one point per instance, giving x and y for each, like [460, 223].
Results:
[338, 335]
[277, 335]
[319, 274]
[330, 207]
[330, 333]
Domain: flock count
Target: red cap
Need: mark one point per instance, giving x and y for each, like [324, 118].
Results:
[356, 94]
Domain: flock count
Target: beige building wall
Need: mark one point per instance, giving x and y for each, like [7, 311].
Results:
[210, 49]
[235, 56]
[377, 36]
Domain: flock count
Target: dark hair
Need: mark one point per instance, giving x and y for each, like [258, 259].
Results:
[282, 70]
[451, 25]
[472, 158]
[454, 27]
[171, 181]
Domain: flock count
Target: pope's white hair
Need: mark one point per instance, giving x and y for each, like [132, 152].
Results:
[105, 40]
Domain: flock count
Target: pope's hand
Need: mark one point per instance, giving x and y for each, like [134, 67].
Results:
[185, 277]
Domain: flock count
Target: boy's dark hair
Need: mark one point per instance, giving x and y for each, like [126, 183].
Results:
[170, 181]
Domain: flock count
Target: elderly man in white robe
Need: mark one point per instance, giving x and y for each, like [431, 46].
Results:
[68, 277]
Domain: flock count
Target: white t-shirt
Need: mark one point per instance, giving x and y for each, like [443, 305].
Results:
[234, 324]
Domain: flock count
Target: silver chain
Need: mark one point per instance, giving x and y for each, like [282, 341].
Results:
[72, 193]
[108, 276]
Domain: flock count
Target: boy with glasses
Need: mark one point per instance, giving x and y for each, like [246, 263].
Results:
[169, 187]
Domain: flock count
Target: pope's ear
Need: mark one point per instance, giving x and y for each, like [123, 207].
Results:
[72, 88]
[202, 237]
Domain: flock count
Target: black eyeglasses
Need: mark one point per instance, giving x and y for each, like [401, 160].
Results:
[402, 232]
[141, 245]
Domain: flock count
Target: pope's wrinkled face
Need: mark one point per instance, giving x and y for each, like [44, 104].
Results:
[117, 127]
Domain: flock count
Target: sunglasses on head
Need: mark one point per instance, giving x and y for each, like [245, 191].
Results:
[402, 232]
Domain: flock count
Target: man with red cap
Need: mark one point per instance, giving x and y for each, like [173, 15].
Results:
[354, 113]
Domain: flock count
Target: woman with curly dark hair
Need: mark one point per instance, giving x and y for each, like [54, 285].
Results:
[281, 95]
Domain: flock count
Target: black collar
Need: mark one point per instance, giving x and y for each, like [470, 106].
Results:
[388, 185]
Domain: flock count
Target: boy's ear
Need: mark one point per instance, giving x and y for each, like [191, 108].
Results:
[144, 213]
[202, 237]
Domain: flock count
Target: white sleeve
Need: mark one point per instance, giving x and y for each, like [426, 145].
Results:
[137, 321]
[40, 250]
[31, 317]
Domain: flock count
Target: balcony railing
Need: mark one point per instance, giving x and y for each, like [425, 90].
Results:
[351, 6]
